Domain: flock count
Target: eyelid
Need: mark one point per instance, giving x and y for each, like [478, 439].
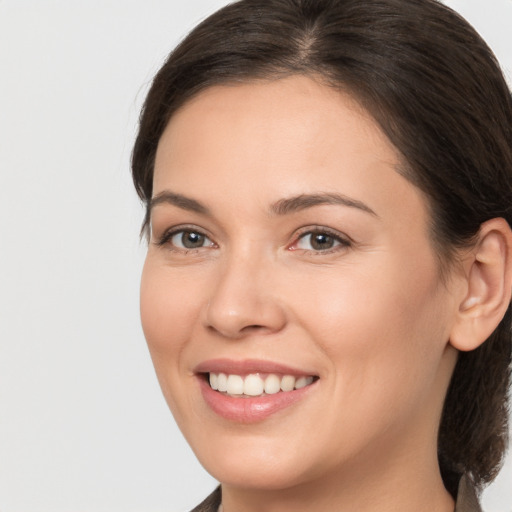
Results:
[343, 239]
[174, 230]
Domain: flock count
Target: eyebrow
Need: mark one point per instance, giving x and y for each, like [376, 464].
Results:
[281, 207]
[304, 201]
[179, 200]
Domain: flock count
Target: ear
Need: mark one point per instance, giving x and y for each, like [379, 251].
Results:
[488, 274]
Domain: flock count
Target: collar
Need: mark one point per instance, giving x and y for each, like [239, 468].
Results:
[467, 500]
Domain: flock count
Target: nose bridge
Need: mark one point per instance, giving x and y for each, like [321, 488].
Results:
[243, 299]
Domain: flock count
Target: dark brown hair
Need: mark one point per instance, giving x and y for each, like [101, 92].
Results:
[437, 92]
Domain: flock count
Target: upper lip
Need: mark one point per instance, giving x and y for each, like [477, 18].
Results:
[247, 366]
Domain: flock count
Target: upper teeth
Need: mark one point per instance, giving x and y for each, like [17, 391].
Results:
[255, 385]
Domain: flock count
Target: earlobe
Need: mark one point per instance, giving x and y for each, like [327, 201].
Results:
[489, 286]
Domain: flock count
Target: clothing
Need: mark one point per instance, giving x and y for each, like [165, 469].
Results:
[466, 499]
[210, 504]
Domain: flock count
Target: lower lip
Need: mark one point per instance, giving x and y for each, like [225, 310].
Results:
[250, 410]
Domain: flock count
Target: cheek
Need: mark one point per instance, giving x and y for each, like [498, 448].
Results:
[381, 326]
[170, 310]
[170, 307]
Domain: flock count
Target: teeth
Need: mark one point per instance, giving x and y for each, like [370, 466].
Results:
[235, 385]
[287, 383]
[272, 384]
[222, 382]
[302, 382]
[255, 385]
[214, 381]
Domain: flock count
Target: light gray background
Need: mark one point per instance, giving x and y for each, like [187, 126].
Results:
[83, 426]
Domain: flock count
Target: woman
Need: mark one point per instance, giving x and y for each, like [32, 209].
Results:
[326, 294]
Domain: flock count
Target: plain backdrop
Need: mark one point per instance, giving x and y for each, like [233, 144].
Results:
[83, 425]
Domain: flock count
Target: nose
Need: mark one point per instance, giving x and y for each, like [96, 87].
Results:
[243, 300]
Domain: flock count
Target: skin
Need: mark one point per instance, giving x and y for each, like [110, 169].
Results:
[371, 317]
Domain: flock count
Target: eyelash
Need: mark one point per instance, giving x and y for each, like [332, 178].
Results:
[170, 234]
[341, 242]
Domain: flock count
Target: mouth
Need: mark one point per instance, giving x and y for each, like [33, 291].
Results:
[251, 391]
[256, 384]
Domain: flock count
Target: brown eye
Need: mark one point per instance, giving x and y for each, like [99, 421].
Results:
[319, 241]
[190, 240]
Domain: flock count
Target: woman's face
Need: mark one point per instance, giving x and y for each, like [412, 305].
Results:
[287, 249]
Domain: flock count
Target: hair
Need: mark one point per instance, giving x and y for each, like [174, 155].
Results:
[437, 92]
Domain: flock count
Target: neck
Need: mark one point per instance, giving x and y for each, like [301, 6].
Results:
[397, 484]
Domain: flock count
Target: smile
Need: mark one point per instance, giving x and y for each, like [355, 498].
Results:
[255, 384]
[251, 390]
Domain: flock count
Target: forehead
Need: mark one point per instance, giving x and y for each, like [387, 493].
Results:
[284, 100]
[297, 118]
[255, 143]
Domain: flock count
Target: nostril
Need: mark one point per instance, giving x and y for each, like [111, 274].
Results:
[239, 333]
[255, 329]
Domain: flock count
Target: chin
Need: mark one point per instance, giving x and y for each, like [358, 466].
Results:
[251, 461]
[256, 472]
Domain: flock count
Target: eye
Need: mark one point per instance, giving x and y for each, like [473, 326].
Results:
[319, 241]
[187, 239]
